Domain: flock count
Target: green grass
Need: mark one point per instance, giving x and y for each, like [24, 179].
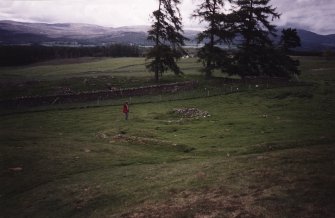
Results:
[263, 153]
[125, 67]
[55, 70]
[84, 74]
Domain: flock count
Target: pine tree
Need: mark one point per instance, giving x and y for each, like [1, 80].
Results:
[166, 33]
[289, 39]
[218, 31]
[256, 48]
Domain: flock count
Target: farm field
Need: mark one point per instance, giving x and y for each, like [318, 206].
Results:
[84, 74]
[258, 153]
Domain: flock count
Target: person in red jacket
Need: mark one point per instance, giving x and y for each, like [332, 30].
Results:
[126, 109]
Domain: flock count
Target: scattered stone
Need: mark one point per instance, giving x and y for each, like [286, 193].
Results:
[190, 113]
[101, 135]
[16, 169]
[64, 91]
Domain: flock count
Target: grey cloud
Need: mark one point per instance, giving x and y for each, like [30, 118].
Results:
[314, 15]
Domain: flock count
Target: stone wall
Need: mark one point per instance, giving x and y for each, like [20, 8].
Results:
[97, 95]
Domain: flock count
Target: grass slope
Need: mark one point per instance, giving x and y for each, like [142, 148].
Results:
[265, 153]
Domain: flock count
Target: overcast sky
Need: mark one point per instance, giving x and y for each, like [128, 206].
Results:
[314, 15]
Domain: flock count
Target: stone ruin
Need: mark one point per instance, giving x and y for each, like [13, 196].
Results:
[190, 113]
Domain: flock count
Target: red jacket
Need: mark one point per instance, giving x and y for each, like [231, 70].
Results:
[125, 108]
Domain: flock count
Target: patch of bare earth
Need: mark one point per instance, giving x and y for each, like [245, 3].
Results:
[137, 139]
[131, 139]
[212, 203]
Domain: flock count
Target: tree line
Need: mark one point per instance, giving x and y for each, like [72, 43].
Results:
[246, 25]
[12, 55]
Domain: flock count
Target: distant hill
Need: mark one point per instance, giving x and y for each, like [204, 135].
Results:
[24, 33]
[12, 32]
[74, 34]
[313, 41]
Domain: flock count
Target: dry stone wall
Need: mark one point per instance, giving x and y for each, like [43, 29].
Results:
[97, 95]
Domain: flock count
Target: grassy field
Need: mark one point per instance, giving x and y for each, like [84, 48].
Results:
[263, 153]
[84, 74]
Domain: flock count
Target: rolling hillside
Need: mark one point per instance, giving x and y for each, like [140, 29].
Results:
[12, 32]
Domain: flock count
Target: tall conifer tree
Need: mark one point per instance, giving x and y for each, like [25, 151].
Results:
[218, 31]
[289, 39]
[166, 33]
[255, 46]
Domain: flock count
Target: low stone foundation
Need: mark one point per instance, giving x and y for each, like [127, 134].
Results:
[97, 95]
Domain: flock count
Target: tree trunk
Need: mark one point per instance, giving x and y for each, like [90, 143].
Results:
[157, 43]
[208, 72]
[156, 74]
